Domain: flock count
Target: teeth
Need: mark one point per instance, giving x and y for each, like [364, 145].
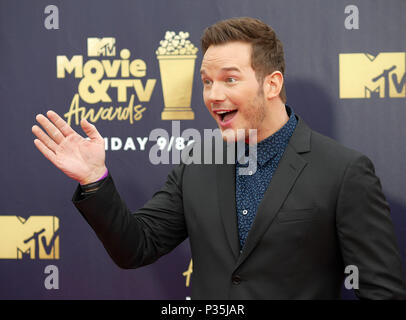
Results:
[222, 112]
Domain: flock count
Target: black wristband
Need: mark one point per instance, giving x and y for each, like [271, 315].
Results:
[92, 187]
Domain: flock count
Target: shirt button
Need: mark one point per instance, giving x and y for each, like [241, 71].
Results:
[244, 212]
[236, 280]
[250, 173]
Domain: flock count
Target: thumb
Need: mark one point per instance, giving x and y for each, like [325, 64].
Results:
[90, 130]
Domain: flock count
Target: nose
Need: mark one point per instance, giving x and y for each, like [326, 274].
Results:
[216, 93]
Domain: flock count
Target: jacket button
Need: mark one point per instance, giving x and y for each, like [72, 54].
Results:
[236, 280]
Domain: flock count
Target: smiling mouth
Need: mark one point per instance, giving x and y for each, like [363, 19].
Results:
[225, 116]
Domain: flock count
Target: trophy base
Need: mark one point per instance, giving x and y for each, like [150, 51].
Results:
[185, 114]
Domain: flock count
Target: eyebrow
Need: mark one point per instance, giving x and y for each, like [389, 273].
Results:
[230, 69]
[225, 69]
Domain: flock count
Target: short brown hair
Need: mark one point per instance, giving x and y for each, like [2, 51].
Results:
[267, 50]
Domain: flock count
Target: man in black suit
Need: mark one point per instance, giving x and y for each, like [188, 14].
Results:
[284, 231]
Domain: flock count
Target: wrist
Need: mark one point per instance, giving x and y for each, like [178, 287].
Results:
[96, 177]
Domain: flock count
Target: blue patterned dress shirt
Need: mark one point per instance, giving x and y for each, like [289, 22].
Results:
[250, 189]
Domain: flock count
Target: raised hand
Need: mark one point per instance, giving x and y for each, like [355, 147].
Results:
[80, 159]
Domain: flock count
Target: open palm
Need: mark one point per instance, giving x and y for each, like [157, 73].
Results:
[79, 158]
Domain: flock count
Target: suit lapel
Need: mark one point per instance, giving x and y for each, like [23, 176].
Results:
[284, 178]
[227, 206]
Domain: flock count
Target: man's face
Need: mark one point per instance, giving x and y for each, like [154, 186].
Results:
[231, 91]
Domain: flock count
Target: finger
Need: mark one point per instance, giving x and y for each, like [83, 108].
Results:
[90, 130]
[60, 123]
[45, 151]
[49, 127]
[44, 138]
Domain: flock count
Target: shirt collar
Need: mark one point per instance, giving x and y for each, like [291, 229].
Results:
[269, 147]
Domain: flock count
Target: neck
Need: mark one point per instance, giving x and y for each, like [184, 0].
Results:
[275, 118]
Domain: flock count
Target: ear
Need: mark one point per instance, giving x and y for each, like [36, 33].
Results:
[273, 85]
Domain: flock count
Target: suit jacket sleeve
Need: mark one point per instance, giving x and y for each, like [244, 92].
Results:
[136, 239]
[366, 233]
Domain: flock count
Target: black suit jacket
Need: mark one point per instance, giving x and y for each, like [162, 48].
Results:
[323, 210]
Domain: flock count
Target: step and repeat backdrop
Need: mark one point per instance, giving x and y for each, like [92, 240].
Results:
[131, 67]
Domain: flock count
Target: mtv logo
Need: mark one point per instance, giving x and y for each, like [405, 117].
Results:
[36, 237]
[101, 47]
[363, 75]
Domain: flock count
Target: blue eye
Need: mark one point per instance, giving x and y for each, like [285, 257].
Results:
[231, 80]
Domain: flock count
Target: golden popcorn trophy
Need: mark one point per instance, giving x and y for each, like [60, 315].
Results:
[176, 56]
